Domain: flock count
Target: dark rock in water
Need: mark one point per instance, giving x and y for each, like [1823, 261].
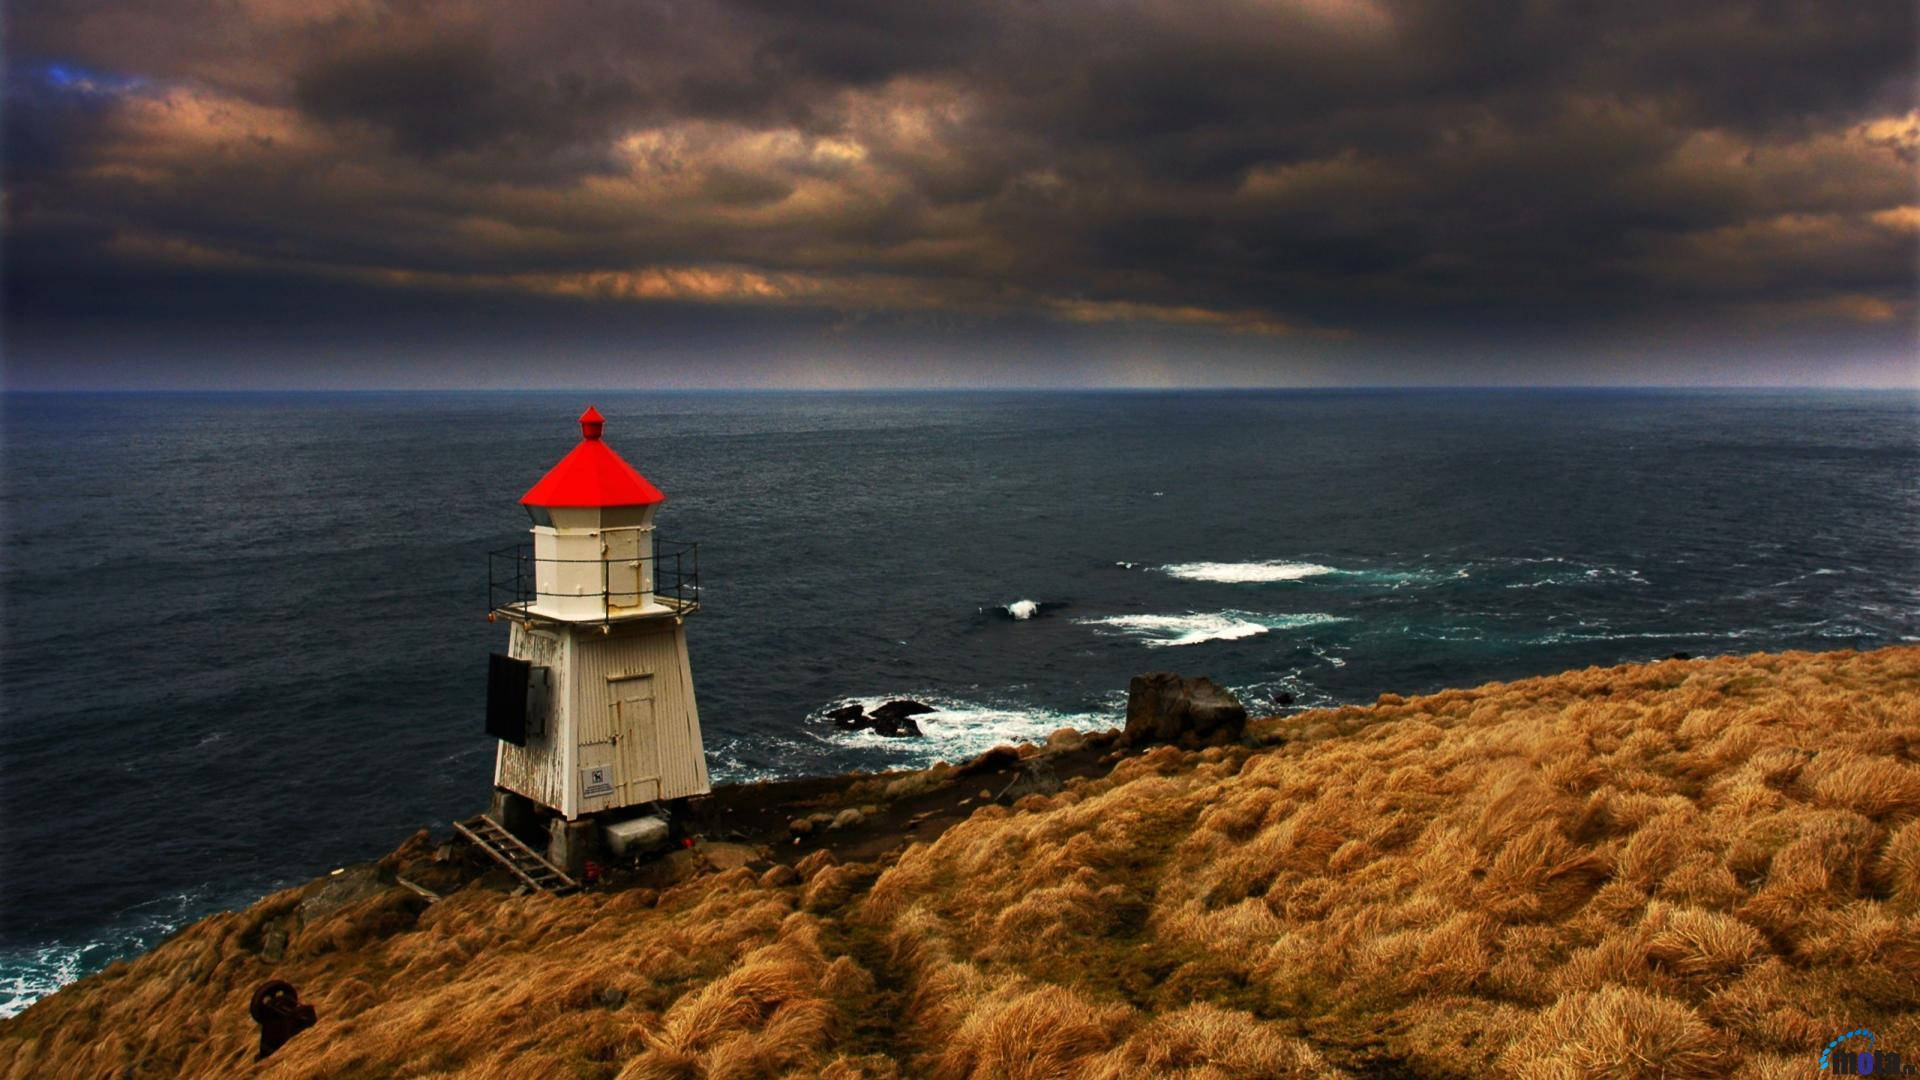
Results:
[1163, 707]
[1283, 698]
[848, 718]
[894, 719]
[892, 728]
[1681, 656]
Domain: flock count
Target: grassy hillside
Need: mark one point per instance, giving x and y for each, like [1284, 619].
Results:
[1688, 868]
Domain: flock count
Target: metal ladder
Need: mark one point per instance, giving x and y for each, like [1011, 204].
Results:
[491, 837]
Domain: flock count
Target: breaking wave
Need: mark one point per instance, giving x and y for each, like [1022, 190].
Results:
[1245, 572]
[958, 729]
[31, 972]
[1196, 627]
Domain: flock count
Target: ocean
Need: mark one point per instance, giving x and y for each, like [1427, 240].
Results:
[246, 636]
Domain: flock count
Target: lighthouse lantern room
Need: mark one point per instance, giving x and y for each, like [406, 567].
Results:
[593, 700]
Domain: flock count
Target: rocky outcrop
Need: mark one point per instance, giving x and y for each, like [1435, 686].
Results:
[894, 719]
[1164, 707]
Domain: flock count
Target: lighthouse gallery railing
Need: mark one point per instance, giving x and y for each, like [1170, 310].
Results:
[513, 575]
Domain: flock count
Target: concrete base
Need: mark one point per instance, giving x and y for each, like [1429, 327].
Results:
[571, 843]
[517, 814]
[638, 836]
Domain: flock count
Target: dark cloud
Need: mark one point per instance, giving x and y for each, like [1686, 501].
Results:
[440, 94]
[1276, 171]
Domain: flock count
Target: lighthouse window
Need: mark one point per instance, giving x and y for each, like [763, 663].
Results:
[540, 516]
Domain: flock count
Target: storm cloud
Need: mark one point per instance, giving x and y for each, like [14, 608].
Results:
[1294, 189]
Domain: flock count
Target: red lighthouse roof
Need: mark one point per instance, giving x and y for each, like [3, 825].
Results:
[592, 475]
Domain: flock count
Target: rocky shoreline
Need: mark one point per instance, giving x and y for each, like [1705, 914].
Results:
[1707, 866]
[853, 817]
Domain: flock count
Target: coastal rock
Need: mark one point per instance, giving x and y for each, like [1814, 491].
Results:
[847, 819]
[340, 889]
[900, 710]
[1035, 777]
[992, 761]
[1164, 707]
[800, 826]
[894, 719]
[1065, 739]
[273, 941]
[906, 728]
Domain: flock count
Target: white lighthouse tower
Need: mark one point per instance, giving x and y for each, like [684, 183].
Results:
[593, 701]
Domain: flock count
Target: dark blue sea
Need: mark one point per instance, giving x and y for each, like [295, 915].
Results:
[246, 636]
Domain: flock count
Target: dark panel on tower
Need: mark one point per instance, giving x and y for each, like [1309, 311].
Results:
[507, 698]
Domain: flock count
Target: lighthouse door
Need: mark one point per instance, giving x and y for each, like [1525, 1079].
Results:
[637, 742]
[621, 550]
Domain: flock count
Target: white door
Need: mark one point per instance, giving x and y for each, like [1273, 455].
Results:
[636, 741]
[621, 550]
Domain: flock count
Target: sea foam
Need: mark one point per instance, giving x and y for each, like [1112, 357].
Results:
[959, 728]
[1196, 627]
[1245, 572]
[30, 972]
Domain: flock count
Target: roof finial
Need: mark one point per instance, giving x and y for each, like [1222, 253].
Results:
[590, 423]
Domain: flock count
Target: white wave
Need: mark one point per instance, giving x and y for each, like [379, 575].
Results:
[1327, 656]
[1022, 609]
[27, 975]
[1245, 572]
[958, 729]
[1184, 629]
[1196, 627]
[1262, 698]
[1588, 576]
[1403, 578]
[31, 972]
[1822, 572]
[731, 769]
[1559, 636]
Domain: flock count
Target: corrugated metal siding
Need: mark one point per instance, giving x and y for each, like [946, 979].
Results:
[538, 770]
[696, 750]
[595, 743]
[656, 648]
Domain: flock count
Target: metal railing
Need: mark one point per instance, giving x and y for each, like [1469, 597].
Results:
[513, 576]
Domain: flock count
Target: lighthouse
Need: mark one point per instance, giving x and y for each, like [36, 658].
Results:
[592, 703]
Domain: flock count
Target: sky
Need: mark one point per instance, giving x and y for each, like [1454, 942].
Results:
[852, 193]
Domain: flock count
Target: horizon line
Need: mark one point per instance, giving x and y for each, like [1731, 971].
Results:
[984, 388]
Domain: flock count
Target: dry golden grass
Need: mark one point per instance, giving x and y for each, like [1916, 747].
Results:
[1683, 868]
